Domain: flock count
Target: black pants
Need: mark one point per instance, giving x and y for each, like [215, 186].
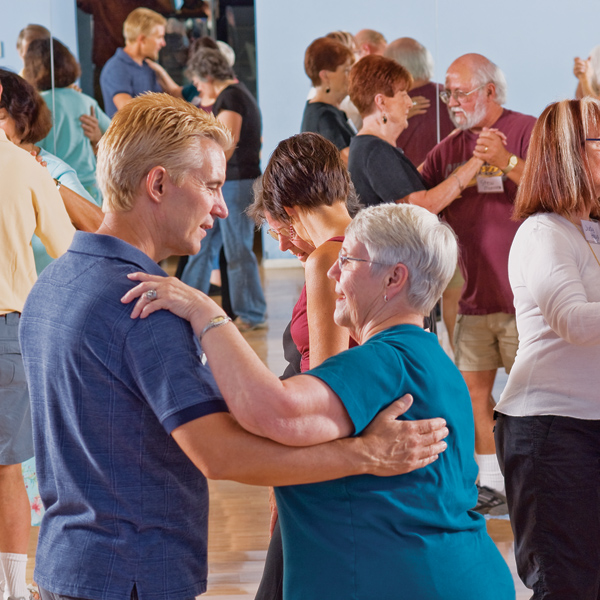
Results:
[271, 584]
[551, 467]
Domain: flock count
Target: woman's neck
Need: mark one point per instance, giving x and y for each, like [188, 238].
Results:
[385, 321]
[332, 98]
[325, 222]
[373, 125]
[221, 85]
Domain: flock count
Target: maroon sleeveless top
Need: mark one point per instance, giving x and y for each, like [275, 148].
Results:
[299, 325]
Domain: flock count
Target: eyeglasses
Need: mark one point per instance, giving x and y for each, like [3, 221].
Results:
[275, 234]
[343, 260]
[458, 95]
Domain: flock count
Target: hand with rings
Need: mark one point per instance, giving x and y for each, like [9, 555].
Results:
[420, 104]
[156, 292]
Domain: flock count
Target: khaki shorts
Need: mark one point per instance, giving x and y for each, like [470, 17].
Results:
[485, 342]
[457, 280]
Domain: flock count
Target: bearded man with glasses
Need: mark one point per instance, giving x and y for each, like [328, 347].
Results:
[485, 336]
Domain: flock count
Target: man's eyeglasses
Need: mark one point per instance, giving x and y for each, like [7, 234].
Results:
[343, 260]
[458, 95]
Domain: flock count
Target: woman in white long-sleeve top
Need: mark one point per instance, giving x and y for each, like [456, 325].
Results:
[548, 428]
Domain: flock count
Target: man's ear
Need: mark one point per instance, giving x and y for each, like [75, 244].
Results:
[156, 182]
[0, 90]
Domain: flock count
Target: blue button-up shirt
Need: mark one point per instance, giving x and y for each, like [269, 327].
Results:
[124, 505]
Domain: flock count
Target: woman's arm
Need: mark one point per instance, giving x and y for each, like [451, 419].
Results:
[547, 261]
[583, 70]
[345, 153]
[326, 338]
[165, 80]
[233, 121]
[299, 411]
[443, 194]
[84, 215]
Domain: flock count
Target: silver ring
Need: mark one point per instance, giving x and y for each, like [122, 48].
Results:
[151, 295]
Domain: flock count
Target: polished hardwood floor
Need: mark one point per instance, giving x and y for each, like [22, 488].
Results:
[239, 514]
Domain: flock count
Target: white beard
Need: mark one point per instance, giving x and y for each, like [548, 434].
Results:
[468, 120]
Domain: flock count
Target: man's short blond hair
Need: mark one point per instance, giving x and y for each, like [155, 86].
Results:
[149, 131]
[141, 21]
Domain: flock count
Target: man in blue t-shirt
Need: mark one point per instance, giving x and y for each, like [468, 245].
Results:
[127, 74]
[127, 419]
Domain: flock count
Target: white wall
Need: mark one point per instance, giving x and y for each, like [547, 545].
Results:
[57, 15]
[533, 41]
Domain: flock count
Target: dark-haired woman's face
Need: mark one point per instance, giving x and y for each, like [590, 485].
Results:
[8, 125]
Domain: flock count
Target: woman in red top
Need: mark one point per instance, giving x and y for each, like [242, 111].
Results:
[305, 196]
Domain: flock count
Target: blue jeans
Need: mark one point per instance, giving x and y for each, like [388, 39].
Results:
[245, 290]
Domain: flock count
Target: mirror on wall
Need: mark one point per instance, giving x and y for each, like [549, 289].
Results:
[34, 22]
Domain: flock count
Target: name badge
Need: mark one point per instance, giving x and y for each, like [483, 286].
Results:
[490, 184]
[591, 231]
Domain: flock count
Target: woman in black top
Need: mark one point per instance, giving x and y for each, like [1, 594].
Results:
[381, 172]
[235, 107]
[327, 63]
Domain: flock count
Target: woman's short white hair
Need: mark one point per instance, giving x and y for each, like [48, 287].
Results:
[411, 235]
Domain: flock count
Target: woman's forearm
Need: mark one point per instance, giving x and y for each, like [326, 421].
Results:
[443, 194]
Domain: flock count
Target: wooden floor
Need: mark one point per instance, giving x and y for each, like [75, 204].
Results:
[239, 516]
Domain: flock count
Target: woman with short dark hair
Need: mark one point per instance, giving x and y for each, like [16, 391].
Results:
[74, 113]
[327, 63]
[548, 418]
[306, 189]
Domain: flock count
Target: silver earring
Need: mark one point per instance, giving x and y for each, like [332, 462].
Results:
[385, 298]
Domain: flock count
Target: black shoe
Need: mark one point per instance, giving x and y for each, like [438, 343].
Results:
[490, 502]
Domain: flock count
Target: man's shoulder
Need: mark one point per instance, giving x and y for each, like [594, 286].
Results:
[450, 144]
[517, 120]
[117, 64]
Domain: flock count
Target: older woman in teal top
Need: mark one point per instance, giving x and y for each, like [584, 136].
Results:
[409, 536]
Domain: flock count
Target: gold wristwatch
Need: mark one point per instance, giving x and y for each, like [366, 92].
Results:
[512, 163]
